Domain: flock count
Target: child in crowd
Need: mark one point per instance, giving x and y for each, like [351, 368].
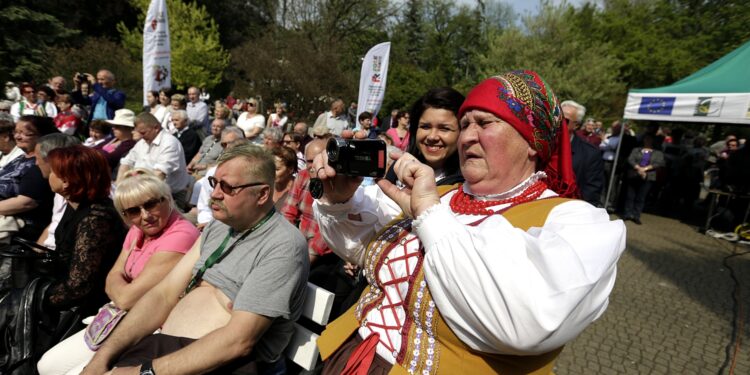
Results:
[66, 120]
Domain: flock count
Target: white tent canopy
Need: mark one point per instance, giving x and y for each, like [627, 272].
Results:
[718, 93]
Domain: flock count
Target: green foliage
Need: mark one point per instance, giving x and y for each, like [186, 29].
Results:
[575, 68]
[25, 35]
[287, 67]
[313, 56]
[92, 18]
[197, 56]
[436, 44]
[240, 20]
[660, 42]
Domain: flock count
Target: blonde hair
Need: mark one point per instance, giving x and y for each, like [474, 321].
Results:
[138, 186]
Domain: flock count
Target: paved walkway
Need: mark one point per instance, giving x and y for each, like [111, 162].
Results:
[671, 311]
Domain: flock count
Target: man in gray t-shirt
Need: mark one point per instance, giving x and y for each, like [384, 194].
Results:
[230, 303]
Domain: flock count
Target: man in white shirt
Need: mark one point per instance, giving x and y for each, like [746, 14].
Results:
[197, 111]
[335, 119]
[161, 152]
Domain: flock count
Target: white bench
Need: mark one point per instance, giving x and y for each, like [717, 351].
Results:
[303, 350]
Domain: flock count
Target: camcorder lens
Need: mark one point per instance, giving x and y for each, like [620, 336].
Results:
[332, 149]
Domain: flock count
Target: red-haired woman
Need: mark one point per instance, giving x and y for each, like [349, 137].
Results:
[90, 232]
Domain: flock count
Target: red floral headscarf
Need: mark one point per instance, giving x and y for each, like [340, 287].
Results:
[522, 99]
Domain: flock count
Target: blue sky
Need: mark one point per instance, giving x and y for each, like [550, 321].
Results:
[532, 6]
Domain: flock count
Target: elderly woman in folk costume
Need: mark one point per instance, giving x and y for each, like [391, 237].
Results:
[492, 276]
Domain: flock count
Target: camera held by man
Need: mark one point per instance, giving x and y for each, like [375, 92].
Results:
[357, 157]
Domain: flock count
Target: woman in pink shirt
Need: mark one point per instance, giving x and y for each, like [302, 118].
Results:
[400, 134]
[158, 238]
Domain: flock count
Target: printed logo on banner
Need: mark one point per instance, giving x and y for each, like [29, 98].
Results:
[377, 63]
[160, 73]
[656, 105]
[709, 106]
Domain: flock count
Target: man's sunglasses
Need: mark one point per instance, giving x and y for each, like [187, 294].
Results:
[229, 189]
[150, 205]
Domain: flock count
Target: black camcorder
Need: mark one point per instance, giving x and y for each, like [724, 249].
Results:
[357, 157]
[352, 157]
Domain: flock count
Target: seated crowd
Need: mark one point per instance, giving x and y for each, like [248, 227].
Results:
[186, 237]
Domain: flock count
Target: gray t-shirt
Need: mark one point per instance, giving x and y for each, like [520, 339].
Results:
[266, 274]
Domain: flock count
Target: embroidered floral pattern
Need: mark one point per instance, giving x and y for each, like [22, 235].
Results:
[528, 99]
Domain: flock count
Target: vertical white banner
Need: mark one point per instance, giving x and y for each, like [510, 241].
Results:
[157, 70]
[372, 79]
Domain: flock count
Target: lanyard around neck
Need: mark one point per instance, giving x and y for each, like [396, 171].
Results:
[220, 254]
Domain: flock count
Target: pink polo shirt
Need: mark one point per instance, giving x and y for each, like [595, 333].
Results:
[178, 236]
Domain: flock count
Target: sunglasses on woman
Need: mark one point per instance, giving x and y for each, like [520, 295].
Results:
[150, 206]
[229, 189]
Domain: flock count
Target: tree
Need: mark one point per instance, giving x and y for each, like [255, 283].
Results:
[240, 20]
[93, 18]
[197, 56]
[25, 36]
[312, 55]
[286, 67]
[434, 44]
[575, 67]
[662, 41]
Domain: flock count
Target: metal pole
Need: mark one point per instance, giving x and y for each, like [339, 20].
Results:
[614, 166]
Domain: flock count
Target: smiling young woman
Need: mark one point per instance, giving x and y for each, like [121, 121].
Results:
[434, 131]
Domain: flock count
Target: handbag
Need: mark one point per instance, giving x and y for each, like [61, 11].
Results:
[105, 320]
[104, 323]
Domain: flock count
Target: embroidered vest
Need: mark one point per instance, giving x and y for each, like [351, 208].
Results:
[429, 346]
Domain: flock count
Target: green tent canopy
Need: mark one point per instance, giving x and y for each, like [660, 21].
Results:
[718, 93]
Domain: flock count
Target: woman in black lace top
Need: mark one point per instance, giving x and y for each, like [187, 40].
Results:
[90, 232]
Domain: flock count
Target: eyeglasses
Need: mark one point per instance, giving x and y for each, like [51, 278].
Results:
[251, 104]
[229, 189]
[150, 206]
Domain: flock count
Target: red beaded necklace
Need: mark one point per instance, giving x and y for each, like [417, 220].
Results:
[463, 203]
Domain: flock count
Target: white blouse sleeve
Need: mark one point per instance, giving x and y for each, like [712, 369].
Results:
[348, 227]
[503, 290]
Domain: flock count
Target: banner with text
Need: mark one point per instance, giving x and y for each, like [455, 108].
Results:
[372, 79]
[728, 108]
[157, 70]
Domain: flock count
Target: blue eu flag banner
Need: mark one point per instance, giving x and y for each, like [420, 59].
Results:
[656, 105]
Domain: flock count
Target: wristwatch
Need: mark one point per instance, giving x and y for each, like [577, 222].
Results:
[147, 368]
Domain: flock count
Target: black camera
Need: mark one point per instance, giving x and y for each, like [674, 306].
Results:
[357, 157]
[81, 78]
